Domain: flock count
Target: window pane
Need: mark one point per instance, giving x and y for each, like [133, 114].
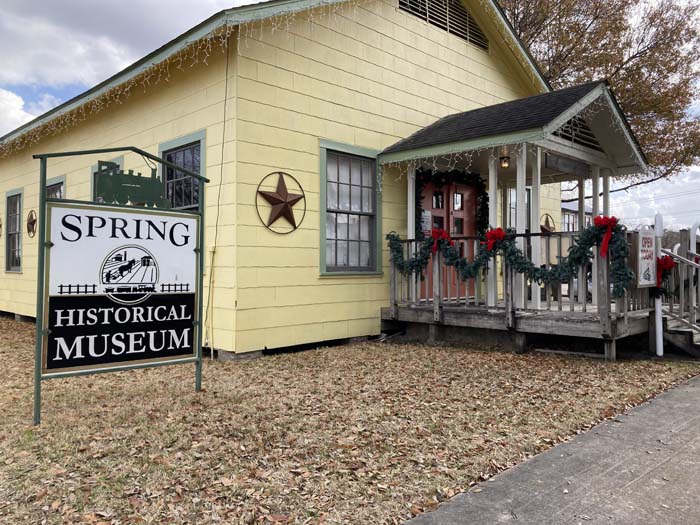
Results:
[344, 197]
[187, 160]
[342, 226]
[195, 159]
[332, 196]
[366, 174]
[354, 254]
[364, 254]
[330, 253]
[364, 228]
[179, 160]
[438, 200]
[169, 173]
[342, 253]
[356, 172]
[344, 169]
[366, 200]
[354, 228]
[177, 195]
[356, 199]
[187, 191]
[330, 226]
[459, 227]
[458, 198]
[332, 167]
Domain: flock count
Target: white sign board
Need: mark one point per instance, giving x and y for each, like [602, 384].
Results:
[121, 286]
[426, 221]
[646, 259]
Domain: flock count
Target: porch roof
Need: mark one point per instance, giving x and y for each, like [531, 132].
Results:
[530, 119]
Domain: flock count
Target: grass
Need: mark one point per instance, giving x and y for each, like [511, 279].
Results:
[367, 433]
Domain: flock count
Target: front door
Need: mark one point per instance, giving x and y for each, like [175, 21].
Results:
[451, 207]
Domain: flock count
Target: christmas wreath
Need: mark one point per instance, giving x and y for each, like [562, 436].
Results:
[664, 266]
[605, 232]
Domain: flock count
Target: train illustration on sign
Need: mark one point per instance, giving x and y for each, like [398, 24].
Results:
[129, 274]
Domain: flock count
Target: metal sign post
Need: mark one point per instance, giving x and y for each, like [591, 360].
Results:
[134, 300]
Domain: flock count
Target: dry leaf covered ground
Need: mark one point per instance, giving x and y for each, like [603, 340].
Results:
[369, 433]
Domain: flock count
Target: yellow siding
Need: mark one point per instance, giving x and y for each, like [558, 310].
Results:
[367, 77]
[191, 101]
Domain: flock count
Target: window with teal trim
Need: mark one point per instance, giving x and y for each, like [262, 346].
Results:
[55, 191]
[350, 213]
[13, 246]
[182, 190]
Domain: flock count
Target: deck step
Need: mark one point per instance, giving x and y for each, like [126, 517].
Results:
[683, 339]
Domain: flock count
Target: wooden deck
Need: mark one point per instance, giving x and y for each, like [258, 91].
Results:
[567, 323]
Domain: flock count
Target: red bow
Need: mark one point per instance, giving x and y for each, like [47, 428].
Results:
[493, 236]
[663, 264]
[605, 222]
[438, 234]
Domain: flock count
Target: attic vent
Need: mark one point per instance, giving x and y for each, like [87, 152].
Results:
[578, 132]
[449, 15]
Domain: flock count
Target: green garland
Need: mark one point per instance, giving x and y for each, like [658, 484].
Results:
[442, 178]
[580, 255]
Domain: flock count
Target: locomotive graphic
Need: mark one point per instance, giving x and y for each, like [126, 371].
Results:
[129, 274]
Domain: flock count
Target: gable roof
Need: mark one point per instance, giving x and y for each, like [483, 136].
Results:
[527, 119]
[508, 117]
[235, 16]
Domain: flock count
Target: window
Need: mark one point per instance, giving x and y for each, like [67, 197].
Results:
[13, 247]
[511, 218]
[180, 189]
[570, 221]
[351, 203]
[54, 191]
[449, 15]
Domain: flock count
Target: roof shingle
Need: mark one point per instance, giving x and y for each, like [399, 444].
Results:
[507, 117]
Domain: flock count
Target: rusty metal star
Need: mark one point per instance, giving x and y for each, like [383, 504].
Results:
[281, 202]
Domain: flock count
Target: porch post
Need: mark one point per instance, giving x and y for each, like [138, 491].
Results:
[520, 218]
[535, 220]
[582, 288]
[492, 282]
[595, 182]
[411, 206]
[411, 226]
[606, 192]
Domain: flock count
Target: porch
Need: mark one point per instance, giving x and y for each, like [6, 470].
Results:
[577, 134]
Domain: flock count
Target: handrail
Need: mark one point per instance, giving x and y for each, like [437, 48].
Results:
[680, 258]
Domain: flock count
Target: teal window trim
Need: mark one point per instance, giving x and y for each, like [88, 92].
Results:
[324, 146]
[61, 179]
[185, 140]
[118, 160]
[13, 193]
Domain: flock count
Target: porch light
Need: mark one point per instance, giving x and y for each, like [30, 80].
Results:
[505, 162]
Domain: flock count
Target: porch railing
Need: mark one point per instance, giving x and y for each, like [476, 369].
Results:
[589, 292]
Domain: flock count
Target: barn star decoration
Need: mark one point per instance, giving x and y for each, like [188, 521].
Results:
[282, 202]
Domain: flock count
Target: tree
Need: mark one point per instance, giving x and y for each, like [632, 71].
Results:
[649, 52]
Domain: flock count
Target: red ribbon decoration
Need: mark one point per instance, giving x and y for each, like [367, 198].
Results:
[605, 222]
[438, 234]
[663, 264]
[493, 236]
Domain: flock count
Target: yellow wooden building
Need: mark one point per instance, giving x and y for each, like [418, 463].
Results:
[316, 89]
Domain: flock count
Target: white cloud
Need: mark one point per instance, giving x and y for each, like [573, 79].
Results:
[78, 42]
[676, 199]
[12, 111]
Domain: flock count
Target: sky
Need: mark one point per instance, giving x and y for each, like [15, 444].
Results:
[51, 51]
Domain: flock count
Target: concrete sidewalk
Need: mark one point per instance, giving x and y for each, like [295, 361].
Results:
[642, 468]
